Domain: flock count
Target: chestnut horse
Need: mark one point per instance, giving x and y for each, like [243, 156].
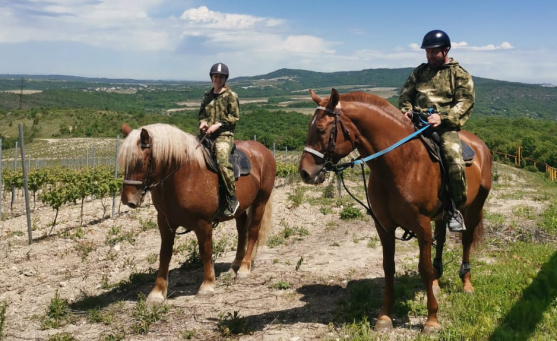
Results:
[404, 184]
[169, 162]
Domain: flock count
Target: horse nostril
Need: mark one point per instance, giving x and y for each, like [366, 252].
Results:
[132, 205]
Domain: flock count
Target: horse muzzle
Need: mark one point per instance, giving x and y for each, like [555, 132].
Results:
[132, 198]
[313, 175]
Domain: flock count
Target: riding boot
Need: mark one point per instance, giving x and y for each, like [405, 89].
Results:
[457, 188]
[456, 221]
[231, 207]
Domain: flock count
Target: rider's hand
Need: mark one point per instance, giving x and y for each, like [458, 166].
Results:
[434, 120]
[409, 115]
[203, 126]
[213, 128]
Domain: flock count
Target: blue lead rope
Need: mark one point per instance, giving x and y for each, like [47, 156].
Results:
[384, 151]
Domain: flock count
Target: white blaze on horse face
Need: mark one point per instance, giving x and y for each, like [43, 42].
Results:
[313, 121]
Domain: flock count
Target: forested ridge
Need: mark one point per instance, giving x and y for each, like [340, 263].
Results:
[506, 114]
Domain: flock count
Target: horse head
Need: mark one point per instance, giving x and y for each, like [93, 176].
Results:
[137, 159]
[324, 146]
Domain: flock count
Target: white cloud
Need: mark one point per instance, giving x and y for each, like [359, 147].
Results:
[204, 18]
[490, 47]
[464, 46]
[113, 24]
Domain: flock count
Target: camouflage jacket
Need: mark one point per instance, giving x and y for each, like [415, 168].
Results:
[449, 90]
[224, 109]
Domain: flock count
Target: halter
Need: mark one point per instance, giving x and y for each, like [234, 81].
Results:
[328, 155]
[148, 180]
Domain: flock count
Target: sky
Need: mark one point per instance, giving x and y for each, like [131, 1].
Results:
[180, 39]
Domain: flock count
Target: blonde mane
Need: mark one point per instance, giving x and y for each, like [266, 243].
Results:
[170, 145]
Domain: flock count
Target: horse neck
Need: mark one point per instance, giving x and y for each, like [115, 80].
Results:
[377, 130]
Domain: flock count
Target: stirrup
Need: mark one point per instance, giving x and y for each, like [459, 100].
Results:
[231, 206]
[456, 222]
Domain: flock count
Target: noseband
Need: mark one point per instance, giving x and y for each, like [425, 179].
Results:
[148, 180]
[328, 155]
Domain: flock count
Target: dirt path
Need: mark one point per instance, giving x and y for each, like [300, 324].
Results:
[295, 290]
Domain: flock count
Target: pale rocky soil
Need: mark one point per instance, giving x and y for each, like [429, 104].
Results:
[320, 268]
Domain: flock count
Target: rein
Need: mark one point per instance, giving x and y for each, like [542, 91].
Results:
[339, 168]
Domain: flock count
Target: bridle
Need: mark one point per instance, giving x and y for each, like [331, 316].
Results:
[328, 155]
[147, 182]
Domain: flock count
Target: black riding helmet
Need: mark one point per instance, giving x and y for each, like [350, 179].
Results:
[436, 38]
[219, 69]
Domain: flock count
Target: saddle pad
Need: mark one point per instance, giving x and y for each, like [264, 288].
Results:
[238, 159]
[433, 148]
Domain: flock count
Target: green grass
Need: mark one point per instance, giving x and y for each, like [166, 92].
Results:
[3, 308]
[515, 298]
[514, 273]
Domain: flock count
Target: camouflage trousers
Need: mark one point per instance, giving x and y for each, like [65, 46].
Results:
[222, 149]
[455, 166]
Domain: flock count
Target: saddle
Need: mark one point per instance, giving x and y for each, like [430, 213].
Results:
[432, 142]
[238, 159]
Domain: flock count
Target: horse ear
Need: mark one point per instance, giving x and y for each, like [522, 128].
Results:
[334, 98]
[125, 129]
[314, 97]
[144, 137]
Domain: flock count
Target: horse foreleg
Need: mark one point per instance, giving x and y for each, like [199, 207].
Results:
[426, 272]
[440, 237]
[158, 293]
[384, 321]
[204, 235]
[241, 227]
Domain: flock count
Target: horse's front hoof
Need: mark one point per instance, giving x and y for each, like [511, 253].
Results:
[384, 324]
[205, 291]
[155, 298]
[431, 328]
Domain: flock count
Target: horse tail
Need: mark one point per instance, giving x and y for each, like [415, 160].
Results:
[478, 232]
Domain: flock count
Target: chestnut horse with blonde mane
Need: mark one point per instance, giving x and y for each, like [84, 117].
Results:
[169, 162]
[404, 184]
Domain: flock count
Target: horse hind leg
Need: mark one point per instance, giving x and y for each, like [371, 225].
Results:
[241, 227]
[473, 217]
[257, 225]
[440, 238]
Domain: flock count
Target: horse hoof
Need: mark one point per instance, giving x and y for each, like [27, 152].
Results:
[205, 291]
[431, 329]
[155, 299]
[384, 324]
[242, 274]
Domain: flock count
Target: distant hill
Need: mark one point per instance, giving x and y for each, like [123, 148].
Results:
[493, 97]
[304, 79]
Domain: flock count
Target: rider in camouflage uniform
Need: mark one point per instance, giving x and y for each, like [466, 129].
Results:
[219, 112]
[442, 84]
